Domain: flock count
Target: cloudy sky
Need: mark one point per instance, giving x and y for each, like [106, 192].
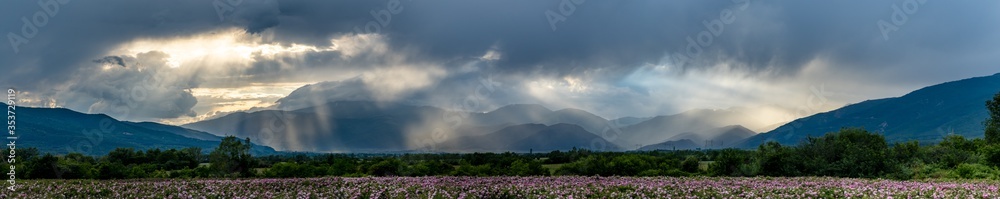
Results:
[187, 60]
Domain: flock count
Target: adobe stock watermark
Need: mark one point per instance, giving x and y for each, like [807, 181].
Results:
[705, 38]
[12, 137]
[225, 8]
[275, 124]
[566, 8]
[382, 19]
[944, 131]
[30, 28]
[92, 138]
[610, 134]
[882, 127]
[900, 15]
[459, 113]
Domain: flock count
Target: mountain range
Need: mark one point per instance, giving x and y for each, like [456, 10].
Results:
[61, 131]
[366, 126]
[663, 128]
[925, 115]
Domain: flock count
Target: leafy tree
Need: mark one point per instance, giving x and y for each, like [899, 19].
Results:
[420, 169]
[136, 172]
[991, 155]
[975, 171]
[728, 162]
[111, 170]
[905, 151]
[179, 159]
[958, 142]
[777, 160]
[125, 156]
[232, 157]
[527, 168]
[690, 164]
[466, 169]
[852, 152]
[193, 154]
[430, 168]
[291, 169]
[76, 166]
[993, 123]
[628, 165]
[945, 157]
[45, 167]
[386, 167]
[344, 166]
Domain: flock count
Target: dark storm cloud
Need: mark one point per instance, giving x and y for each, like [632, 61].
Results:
[81, 31]
[847, 32]
[622, 35]
[619, 35]
[57, 48]
[132, 90]
[113, 60]
[939, 40]
[598, 34]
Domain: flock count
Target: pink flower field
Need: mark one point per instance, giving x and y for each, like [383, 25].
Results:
[507, 187]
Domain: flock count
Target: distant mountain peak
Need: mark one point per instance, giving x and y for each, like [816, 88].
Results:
[683, 144]
[737, 127]
[511, 107]
[573, 110]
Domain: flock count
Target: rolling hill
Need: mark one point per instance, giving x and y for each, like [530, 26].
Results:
[538, 114]
[529, 137]
[712, 138]
[62, 131]
[925, 115]
[684, 144]
[717, 137]
[663, 128]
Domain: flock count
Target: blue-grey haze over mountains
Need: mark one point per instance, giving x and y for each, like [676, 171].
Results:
[447, 73]
[926, 115]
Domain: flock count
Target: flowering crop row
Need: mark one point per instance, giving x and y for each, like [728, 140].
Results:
[507, 187]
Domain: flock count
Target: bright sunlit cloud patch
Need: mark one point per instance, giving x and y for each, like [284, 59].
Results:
[661, 89]
[252, 91]
[232, 57]
[224, 46]
[717, 87]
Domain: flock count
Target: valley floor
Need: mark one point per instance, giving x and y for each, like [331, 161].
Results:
[507, 187]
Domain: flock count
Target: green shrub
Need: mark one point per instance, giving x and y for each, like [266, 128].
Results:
[851, 152]
[651, 172]
[975, 171]
[690, 164]
[991, 155]
[902, 172]
[729, 162]
[676, 173]
[777, 160]
[387, 167]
